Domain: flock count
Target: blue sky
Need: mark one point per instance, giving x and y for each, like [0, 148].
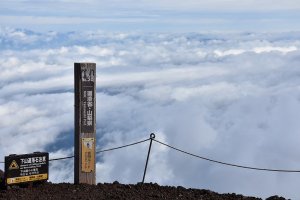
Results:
[142, 15]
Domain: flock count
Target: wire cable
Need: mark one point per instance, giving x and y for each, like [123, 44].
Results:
[228, 164]
[120, 147]
[53, 159]
[104, 150]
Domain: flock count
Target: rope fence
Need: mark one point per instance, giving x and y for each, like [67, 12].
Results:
[152, 138]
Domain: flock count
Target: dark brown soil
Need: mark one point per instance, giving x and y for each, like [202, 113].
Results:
[117, 191]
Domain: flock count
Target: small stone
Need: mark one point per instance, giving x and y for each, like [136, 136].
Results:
[128, 186]
[275, 198]
[180, 188]
[116, 183]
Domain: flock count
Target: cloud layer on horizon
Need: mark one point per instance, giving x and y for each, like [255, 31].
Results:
[155, 15]
[230, 97]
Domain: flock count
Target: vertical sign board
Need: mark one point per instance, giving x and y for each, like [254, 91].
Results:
[87, 161]
[26, 168]
[85, 123]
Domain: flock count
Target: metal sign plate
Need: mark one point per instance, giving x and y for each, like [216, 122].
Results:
[88, 158]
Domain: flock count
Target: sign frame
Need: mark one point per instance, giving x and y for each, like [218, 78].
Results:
[26, 168]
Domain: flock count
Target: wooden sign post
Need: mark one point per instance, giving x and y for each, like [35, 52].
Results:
[85, 123]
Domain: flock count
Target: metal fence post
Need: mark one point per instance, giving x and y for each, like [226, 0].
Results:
[152, 137]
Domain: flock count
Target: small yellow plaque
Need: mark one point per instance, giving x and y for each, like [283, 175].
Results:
[23, 179]
[87, 155]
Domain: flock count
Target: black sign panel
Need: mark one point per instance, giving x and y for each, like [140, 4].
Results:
[26, 168]
[88, 99]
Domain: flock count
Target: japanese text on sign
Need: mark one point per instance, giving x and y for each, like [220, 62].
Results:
[87, 74]
[87, 100]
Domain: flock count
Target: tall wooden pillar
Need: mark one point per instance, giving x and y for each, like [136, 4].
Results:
[85, 123]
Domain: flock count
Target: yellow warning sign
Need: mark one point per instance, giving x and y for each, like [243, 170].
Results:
[23, 179]
[13, 165]
[87, 155]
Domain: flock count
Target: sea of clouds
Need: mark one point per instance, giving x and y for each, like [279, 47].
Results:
[230, 97]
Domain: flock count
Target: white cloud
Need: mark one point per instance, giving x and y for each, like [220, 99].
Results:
[283, 50]
[231, 97]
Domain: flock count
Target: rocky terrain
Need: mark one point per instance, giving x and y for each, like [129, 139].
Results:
[117, 191]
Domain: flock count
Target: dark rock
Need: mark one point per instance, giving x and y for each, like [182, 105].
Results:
[180, 188]
[275, 198]
[116, 183]
[116, 191]
[2, 181]
[1, 176]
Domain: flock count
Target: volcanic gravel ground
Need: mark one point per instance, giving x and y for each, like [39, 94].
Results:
[117, 191]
